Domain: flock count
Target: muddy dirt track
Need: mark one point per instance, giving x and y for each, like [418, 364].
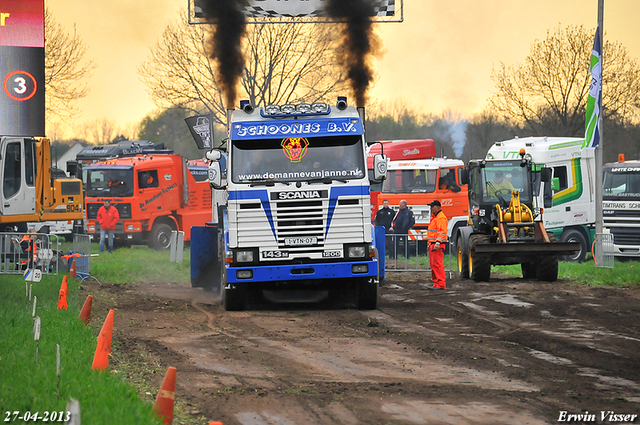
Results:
[505, 352]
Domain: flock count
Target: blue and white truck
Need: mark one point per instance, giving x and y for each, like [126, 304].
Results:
[291, 206]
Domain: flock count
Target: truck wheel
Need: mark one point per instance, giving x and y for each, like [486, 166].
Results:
[528, 270]
[160, 237]
[548, 266]
[479, 264]
[463, 259]
[234, 298]
[575, 236]
[366, 295]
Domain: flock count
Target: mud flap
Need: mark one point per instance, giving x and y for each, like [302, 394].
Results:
[379, 242]
[205, 262]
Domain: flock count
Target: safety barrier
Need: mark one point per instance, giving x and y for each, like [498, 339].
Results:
[22, 251]
[409, 253]
[602, 250]
[82, 255]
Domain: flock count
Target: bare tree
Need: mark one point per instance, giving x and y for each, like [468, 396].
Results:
[283, 63]
[64, 69]
[548, 92]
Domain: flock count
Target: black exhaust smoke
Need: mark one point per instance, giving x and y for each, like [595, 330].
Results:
[359, 42]
[226, 40]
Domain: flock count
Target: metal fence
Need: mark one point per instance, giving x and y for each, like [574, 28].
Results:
[409, 253]
[22, 251]
[82, 255]
[603, 250]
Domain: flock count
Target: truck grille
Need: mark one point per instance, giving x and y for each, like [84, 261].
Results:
[625, 235]
[304, 220]
[124, 210]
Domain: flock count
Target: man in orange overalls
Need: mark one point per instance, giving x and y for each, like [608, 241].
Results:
[437, 239]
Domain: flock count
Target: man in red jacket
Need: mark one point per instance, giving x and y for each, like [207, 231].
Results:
[108, 216]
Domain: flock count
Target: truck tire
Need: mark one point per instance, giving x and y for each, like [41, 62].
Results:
[575, 236]
[528, 270]
[479, 264]
[160, 237]
[234, 298]
[548, 266]
[366, 295]
[463, 259]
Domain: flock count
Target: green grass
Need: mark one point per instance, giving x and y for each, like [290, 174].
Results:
[139, 264]
[27, 386]
[623, 274]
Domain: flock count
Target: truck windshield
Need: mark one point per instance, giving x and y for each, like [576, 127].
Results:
[298, 159]
[410, 181]
[621, 185]
[109, 181]
[501, 178]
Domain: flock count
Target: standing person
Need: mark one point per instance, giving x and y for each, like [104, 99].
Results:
[108, 216]
[384, 218]
[437, 238]
[401, 225]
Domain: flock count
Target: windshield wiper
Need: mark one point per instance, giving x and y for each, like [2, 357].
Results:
[326, 180]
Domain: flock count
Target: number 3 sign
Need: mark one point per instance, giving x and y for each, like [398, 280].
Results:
[20, 85]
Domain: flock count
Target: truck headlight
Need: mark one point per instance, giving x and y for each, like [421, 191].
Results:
[129, 227]
[91, 228]
[359, 268]
[357, 251]
[244, 256]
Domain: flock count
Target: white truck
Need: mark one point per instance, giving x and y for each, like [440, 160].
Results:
[621, 206]
[295, 209]
[572, 216]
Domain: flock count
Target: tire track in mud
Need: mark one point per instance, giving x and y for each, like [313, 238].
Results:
[579, 346]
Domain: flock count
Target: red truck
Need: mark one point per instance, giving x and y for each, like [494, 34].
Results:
[154, 194]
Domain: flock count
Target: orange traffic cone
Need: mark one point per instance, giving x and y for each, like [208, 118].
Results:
[72, 270]
[85, 313]
[64, 290]
[103, 350]
[164, 401]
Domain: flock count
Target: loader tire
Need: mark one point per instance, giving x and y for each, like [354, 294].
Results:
[548, 266]
[528, 270]
[463, 259]
[479, 264]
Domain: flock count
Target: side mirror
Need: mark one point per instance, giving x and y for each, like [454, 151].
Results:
[215, 176]
[545, 174]
[464, 176]
[72, 168]
[379, 167]
[213, 155]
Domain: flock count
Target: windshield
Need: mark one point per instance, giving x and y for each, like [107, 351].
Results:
[109, 181]
[298, 159]
[408, 181]
[621, 185]
[501, 178]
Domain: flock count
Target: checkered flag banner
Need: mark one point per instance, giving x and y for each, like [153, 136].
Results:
[296, 9]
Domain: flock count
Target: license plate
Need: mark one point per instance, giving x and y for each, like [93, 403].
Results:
[301, 241]
[275, 254]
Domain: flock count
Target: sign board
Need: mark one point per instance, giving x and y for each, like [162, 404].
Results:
[314, 10]
[22, 68]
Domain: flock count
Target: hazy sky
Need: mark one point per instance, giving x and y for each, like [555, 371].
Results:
[439, 58]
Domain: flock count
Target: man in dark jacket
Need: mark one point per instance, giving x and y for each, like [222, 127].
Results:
[384, 217]
[402, 222]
